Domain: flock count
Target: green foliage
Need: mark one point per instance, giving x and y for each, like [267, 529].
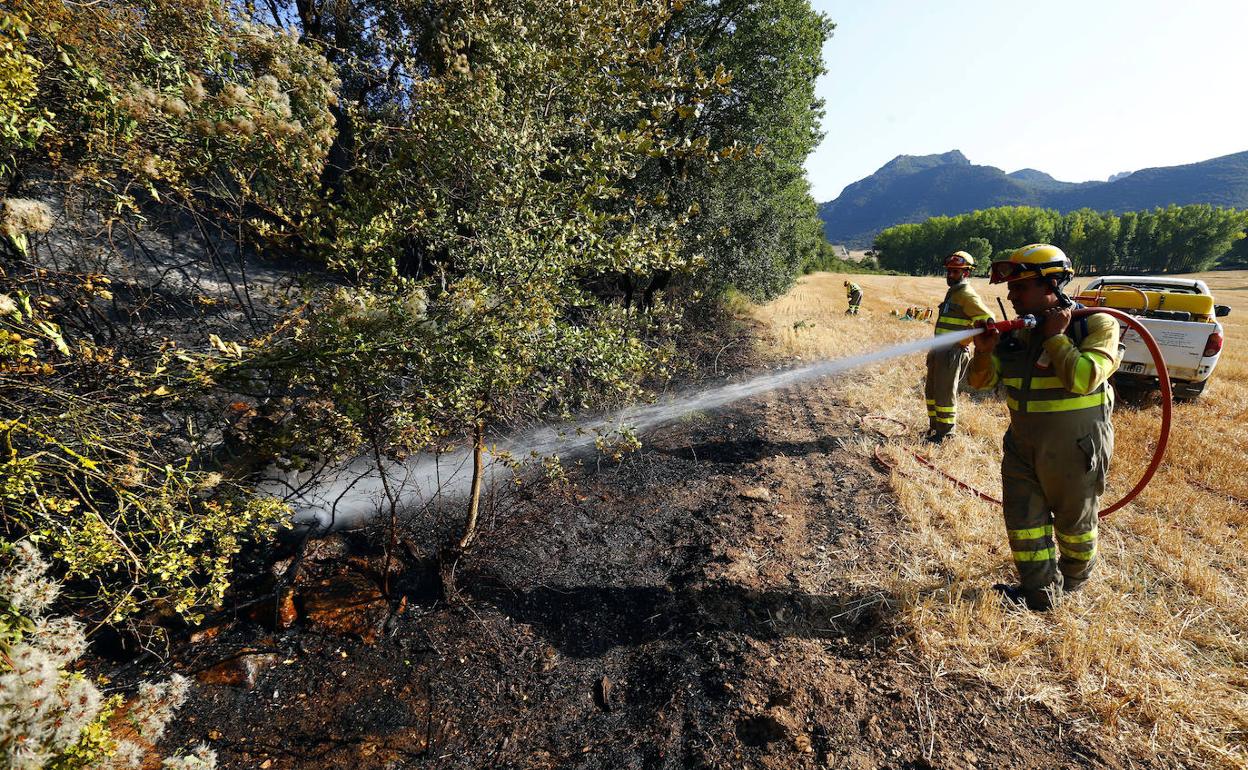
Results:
[827, 261]
[21, 121]
[472, 186]
[979, 248]
[734, 303]
[757, 223]
[1174, 239]
[181, 103]
[1237, 257]
[479, 218]
[91, 480]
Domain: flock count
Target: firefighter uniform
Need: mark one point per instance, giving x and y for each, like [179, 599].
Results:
[961, 309]
[854, 293]
[1057, 449]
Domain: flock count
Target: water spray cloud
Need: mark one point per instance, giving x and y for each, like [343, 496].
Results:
[354, 492]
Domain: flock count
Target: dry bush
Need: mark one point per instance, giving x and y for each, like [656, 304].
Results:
[1152, 653]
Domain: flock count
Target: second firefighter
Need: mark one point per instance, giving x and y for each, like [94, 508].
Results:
[961, 309]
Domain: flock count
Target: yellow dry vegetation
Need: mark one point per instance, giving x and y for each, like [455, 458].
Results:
[1154, 652]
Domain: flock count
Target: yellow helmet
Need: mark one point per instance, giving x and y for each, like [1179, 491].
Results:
[959, 260]
[1033, 261]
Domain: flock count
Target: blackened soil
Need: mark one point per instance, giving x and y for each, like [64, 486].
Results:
[647, 616]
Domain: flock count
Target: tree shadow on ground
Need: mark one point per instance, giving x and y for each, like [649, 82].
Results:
[587, 621]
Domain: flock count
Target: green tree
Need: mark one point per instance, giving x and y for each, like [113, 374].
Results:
[1173, 239]
[468, 190]
[980, 249]
[1237, 257]
[757, 222]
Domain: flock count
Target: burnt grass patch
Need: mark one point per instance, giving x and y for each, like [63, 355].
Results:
[616, 622]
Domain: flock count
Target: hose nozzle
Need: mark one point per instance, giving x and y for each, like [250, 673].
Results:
[1022, 322]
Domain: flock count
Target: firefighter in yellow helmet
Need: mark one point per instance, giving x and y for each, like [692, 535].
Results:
[1060, 440]
[961, 309]
[854, 293]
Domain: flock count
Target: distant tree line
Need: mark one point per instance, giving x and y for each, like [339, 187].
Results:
[826, 259]
[1175, 239]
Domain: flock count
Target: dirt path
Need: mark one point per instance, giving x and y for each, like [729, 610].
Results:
[653, 617]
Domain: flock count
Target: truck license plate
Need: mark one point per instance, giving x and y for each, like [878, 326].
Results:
[1133, 368]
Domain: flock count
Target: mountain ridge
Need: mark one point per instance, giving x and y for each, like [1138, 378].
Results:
[911, 188]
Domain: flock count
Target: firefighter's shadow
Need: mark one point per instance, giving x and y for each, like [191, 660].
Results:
[586, 621]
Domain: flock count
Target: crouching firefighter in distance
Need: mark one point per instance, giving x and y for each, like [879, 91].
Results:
[1058, 447]
[961, 310]
[854, 292]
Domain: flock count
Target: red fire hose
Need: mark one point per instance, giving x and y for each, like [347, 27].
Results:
[1163, 379]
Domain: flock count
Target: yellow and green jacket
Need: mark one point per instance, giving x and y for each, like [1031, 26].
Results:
[961, 309]
[852, 289]
[1066, 373]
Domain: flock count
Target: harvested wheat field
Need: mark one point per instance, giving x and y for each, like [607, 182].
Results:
[1154, 655]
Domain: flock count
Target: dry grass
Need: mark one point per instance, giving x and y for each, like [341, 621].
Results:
[1154, 652]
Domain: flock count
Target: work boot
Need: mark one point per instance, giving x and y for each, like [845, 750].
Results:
[935, 436]
[1015, 598]
[1070, 585]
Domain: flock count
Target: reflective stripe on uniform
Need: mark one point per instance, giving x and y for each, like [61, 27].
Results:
[1082, 537]
[1030, 533]
[1061, 387]
[954, 313]
[1044, 554]
[947, 409]
[946, 420]
[947, 320]
[1036, 382]
[1060, 404]
[1078, 555]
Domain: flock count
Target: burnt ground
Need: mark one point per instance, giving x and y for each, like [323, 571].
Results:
[646, 616]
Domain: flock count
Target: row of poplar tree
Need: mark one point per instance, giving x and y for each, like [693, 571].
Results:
[1174, 239]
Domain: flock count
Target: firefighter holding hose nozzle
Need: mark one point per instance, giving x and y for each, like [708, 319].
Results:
[1060, 441]
[961, 309]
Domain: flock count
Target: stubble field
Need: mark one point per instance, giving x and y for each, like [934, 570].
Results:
[1154, 652]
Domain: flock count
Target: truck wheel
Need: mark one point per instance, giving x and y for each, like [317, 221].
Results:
[1130, 390]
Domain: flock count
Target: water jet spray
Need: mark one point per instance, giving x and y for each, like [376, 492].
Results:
[350, 494]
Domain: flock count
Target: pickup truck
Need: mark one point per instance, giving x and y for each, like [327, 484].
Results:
[1180, 314]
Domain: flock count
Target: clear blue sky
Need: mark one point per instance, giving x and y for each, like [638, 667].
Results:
[1080, 89]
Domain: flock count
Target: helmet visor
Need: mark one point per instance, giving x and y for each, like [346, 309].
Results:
[1005, 270]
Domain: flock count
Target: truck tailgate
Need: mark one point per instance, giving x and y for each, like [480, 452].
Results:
[1182, 345]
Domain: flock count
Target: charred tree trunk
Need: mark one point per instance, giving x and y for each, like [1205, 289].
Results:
[474, 501]
[452, 553]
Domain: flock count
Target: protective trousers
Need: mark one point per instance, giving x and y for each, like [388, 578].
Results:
[855, 300]
[945, 369]
[1051, 477]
